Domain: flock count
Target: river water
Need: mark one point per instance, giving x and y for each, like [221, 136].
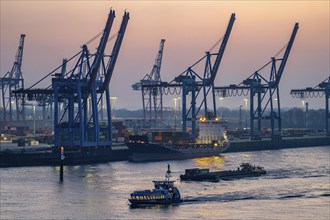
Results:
[296, 186]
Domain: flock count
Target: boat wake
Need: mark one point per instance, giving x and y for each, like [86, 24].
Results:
[238, 197]
[217, 198]
[298, 173]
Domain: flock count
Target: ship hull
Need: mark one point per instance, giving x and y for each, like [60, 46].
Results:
[221, 175]
[158, 152]
[225, 175]
[151, 202]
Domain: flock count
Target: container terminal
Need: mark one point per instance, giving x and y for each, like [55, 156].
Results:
[76, 109]
[40, 154]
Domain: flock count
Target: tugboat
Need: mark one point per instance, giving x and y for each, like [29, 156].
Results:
[164, 193]
[245, 170]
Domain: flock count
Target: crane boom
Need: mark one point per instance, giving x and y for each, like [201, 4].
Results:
[286, 54]
[15, 72]
[155, 73]
[115, 51]
[19, 58]
[222, 48]
[100, 51]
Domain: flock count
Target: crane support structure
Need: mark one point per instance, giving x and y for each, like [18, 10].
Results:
[321, 90]
[42, 97]
[152, 97]
[79, 93]
[259, 87]
[203, 85]
[11, 81]
[198, 86]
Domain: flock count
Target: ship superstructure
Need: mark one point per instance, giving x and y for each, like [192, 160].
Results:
[211, 131]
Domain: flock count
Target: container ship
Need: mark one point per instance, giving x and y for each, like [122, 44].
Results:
[167, 145]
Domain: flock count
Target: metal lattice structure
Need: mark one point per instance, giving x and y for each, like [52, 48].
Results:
[13, 80]
[319, 91]
[196, 85]
[152, 97]
[263, 91]
[80, 92]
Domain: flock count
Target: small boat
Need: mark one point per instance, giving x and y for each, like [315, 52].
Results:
[164, 193]
[245, 170]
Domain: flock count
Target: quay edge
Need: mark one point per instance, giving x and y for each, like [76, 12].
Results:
[285, 142]
[47, 158]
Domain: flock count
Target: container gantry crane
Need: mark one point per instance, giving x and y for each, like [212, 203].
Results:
[198, 86]
[41, 97]
[206, 82]
[80, 92]
[322, 89]
[11, 81]
[152, 97]
[264, 91]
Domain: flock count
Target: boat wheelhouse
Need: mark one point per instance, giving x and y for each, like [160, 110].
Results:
[164, 193]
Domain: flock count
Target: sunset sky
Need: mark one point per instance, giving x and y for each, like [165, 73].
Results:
[57, 29]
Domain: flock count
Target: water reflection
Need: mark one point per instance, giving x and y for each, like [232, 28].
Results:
[87, 176]
[210, 162]
[298, 180]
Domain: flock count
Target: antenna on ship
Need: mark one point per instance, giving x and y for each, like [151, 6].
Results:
[168, 173]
